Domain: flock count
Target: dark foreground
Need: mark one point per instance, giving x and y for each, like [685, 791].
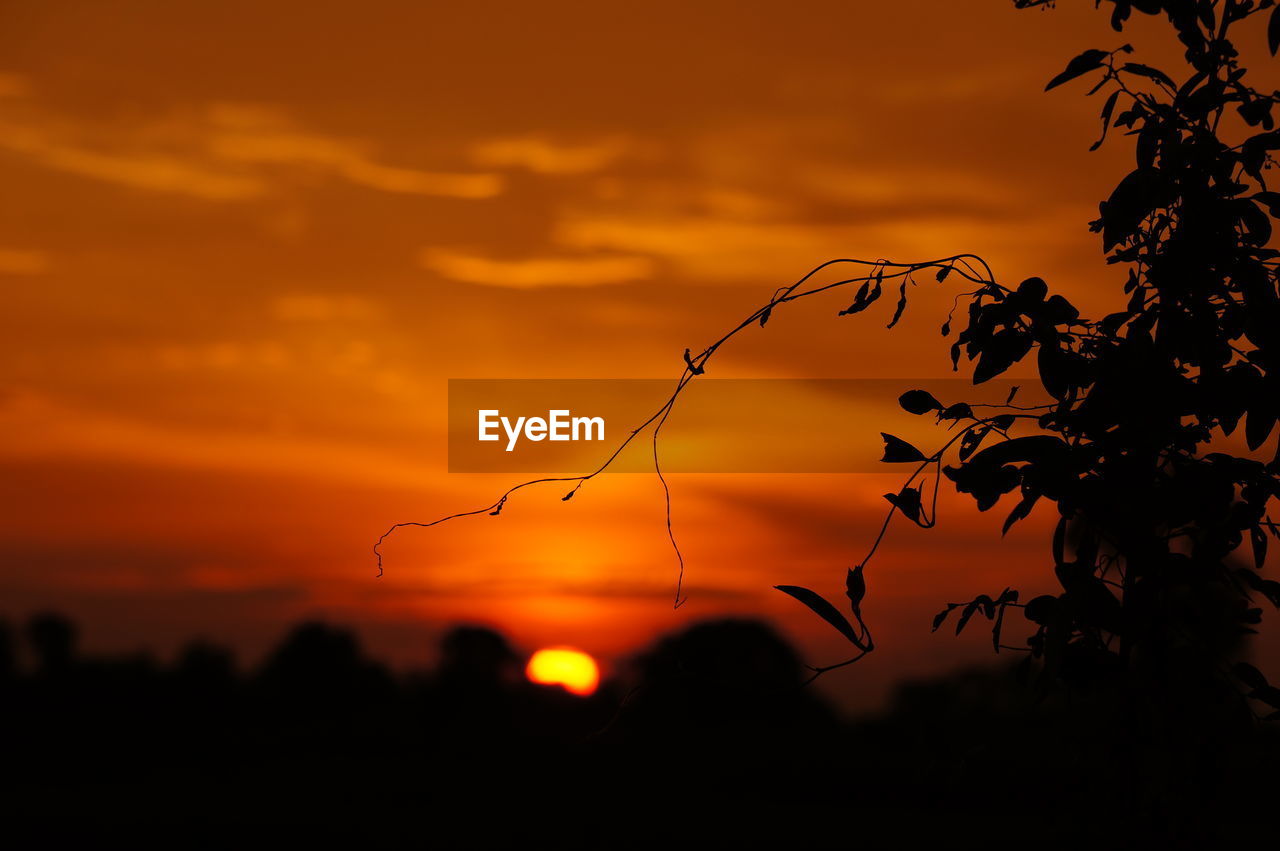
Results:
[712, 743]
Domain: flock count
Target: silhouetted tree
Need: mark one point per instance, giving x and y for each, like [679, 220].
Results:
[476, 656]
[1154, 498]
[206, 664]
[319, 673]
[52, 639]
[718, 678]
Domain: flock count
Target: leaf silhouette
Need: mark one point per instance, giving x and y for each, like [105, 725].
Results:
[965, 615]
[1054, 367]
[907, 501]
[1133, 199]
[865, 297]
[1260, 422]
[1020, 512]
[942, 615]
[919, 402]
[825, 610]
[1082, 64]
[897, 450]
[1003, 350]
[1107, 109]
[1270, 199]
[901, 306]
[1149, 72]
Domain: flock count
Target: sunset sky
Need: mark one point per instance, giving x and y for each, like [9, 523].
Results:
[244, 246]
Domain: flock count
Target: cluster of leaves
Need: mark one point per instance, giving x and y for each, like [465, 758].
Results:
[1155, 498]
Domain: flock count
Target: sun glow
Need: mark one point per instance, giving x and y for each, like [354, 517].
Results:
[563, 666]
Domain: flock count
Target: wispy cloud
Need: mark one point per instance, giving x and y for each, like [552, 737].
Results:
[722, 250]
[227, 153]
[537, 271]
[703, 246]
[544, 156]
[157, 171]
[270, 141]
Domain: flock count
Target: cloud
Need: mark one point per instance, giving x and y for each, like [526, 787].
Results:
[161, 172]
[721, 243]
[229, 152]
[388, 179]
[537, 271]
[703, 246]
[15, 261]
[543, 156]
[157, 172]
[267, 146]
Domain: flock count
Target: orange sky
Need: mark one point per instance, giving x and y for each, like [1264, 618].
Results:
[244, 245]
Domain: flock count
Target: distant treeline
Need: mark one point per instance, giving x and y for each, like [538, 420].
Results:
[712, 739]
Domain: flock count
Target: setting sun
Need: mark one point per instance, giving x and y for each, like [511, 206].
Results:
[563, 666]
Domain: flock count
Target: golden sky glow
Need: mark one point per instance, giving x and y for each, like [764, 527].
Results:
[244, 245]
